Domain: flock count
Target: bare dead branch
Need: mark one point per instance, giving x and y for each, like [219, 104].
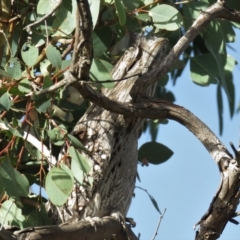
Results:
[159, 222]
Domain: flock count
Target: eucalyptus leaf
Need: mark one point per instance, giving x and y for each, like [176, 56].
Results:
[79, 165]
[14, 70]
[153, 152]
[58, 185]
[16, 184]
[64, 23]
[101, 71]
[75, 142]
[5, 102]
[24, 86]
[9, 212]
[220, 108]
[54, 56]
[46, 6]
[94, 8]
[166, 17]
[29, 54]
[121, 12]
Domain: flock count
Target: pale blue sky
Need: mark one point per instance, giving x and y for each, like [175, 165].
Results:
[186, 183]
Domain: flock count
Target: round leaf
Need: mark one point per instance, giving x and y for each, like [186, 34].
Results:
[14, 70]
[154, 153]
[64, 23]
[166, 17]
[58, 186]
[29, 54]
[54, 56]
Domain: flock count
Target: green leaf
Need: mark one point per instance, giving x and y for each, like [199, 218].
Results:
[214, 41]
[46, 6]
[203, 69]
[18, 132]
[24, 86]
[121, 12]
[65, 64]
[54, 56]
[29, 54]
[65, 168]
[132, 5]
[230, 64]
[30, 149]
[166, 17]
[227, 31]
[59, 143]
[68, 5]
[4, 74]
[154, 130]
[55, 134]
[9, 212]
[79, 165]
[163, 80]
[14, 70]
[64, 23]
[44, 67]
[5, 102]
[94, 8]
[101, 71]
[38, 217]
[154, 202]
[154, 153]
[192, 10]
[43, 106]
[98, 46]
[16, 184]
[58, 185]
[52, 134]
[47, 82]
[102, 36]
[2, 188]
[75, 142]
[220, 108]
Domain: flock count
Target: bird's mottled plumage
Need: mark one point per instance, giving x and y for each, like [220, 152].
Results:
[112, 139]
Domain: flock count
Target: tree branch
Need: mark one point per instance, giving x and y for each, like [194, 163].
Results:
[217, 10]
[110, 229]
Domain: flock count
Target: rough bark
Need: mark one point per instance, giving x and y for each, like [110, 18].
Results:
[109, 229]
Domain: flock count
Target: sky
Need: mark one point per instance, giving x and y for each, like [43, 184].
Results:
[186, 184]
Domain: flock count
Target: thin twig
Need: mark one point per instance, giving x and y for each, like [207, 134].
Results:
[188, 1]
[71, 80]
[28, 27]
[159, 222]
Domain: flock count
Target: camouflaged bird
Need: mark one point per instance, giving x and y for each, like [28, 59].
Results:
[111, 140]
